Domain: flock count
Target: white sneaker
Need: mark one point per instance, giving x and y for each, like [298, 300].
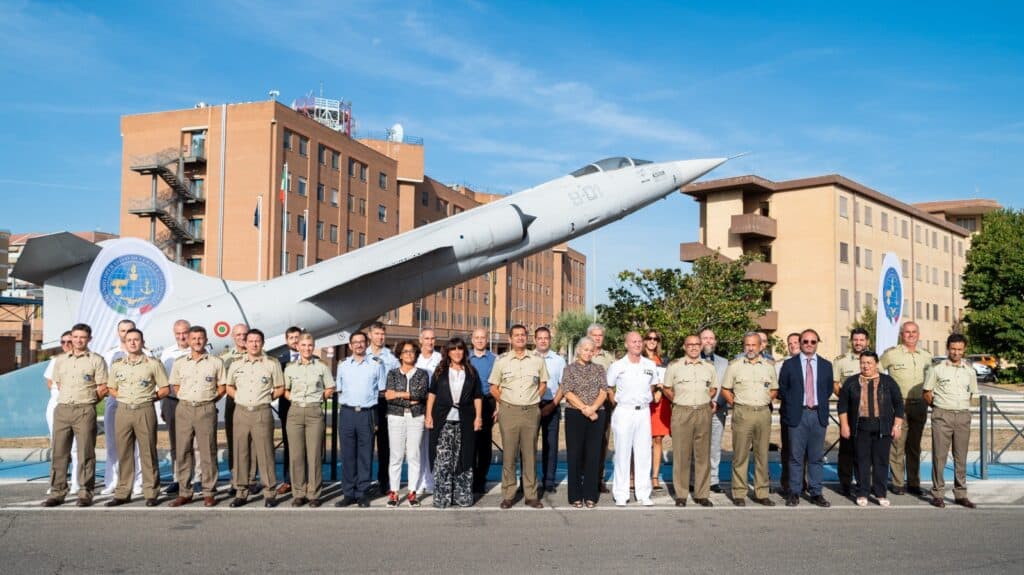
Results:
[646, 503]
[137, 492]
[108, 490]
[620, 503]
[884, 502]
[862, 502]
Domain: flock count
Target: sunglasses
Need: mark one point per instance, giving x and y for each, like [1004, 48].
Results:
[652, 339]
[65, 342]
[810, 341]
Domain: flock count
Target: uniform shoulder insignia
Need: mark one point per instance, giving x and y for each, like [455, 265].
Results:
[770, 361]
[839, 357]
[377, 359]
[736, 360]
[118, 360]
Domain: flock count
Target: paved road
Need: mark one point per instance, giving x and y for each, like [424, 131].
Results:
[911, 537]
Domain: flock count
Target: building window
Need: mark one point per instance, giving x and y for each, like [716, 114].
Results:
[334, 197]
[335, 159]
[351, 167]
[927, 311]
[194, 264]
[319, 230]
[321, 154]
[382, 181]
[869, 259]
[303, 146]
[319, 192]
[885, 224]
[960, 248]
[844, 252]
[362, 239]
[917, 234]
[300, 222]
[946, 310]
[844, 299]
[869, 301]
[302, 186]
[382, 213]
[195, 227]
[842, 207]
[362, 172]
[867, 216]
[969, 224]
[945, 278]
[917, 271]
[935, 311]
[935, 276]
[945, 244]
[362, 207]
[904, 226]
[917, 308]
[856, 256]
[286, 139]
[351, 203]
[349, 239]
[935, 239]
[856, 301]
[425, 198]
[906, 269]
[334, 234]
[300, 261]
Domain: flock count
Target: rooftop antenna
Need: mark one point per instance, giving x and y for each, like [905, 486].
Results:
[273, 94]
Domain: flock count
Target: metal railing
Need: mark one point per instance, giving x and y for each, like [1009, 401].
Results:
[1009, 413]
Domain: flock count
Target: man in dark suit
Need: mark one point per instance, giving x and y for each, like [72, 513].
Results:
[805, 384]
[286, 356]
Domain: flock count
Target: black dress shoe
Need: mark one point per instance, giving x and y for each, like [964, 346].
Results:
[345, 501]
[152, 502]
[897, 490]
[553, 489]
[739, 502]
[764, 501]
[172, 489]
[506, 504]
[792, 501]
[270, 503]
[232, 492]
[965, 502]
[299, 501]
[115, 502]
[820, 501]
[680, 502]
[52, 502]
[315, 503]
[604, 488]
[704, 502]
[915, 491]
[716, 488]
[938, 502]
[237, 502]
[364, 501]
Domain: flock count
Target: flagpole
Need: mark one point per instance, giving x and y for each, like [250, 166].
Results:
[305, 238]
[259, 238]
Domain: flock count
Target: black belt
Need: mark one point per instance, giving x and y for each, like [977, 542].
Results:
[809, 408]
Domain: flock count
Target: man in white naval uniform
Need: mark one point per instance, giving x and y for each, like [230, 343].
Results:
[631, 381]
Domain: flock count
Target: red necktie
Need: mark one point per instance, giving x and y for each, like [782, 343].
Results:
[809, 385]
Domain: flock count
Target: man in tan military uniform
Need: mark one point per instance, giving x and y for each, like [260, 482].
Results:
[948, 391]
[750, 386]
[307, 383]
[238, 333]
[605, 359]
[909, 365]
[844, 367]
[136, 381]
[81, 377]
[198, 380]
[518, 381]
[254, 382]
[690, 384]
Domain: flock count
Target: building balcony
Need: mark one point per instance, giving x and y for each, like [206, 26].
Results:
[754, 225]
[762, 272]
[769, 321]
[693, 251]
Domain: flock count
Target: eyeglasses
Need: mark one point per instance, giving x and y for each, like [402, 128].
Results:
[810, 341]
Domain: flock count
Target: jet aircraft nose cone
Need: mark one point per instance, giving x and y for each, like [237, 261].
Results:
[689, 170]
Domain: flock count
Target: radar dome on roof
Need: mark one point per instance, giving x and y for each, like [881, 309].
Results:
[397, 133]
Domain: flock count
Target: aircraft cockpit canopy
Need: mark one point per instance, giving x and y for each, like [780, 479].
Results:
[608, 165]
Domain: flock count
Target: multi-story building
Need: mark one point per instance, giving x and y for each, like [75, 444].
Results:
[5, 243]
[204, 184]
[968, 214]
[823, 240]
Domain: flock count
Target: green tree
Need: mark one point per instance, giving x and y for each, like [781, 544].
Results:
[569, 327]
[868, 322]
[993, 285]
[714, 294]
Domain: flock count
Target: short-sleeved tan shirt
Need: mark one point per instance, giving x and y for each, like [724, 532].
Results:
[845, 366]
[751, 381]
[604, 358]
[77, 377]
[229, 357]
[198, 378]
[254, 380]
[691, 382]
[519, 377]
[137, 382]
[307, 380]
[952, 385]
[909, 368]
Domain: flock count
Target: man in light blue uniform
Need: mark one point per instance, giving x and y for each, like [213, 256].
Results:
[360, 381]
[708, 342]
[377, 352]
[550, 411]
[483, 362]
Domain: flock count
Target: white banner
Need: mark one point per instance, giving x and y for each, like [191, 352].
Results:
[129, 279]
[890, 304]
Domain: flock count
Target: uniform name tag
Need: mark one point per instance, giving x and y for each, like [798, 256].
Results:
[209, 379]
[87, 377]
[264, 379]
[536, 380]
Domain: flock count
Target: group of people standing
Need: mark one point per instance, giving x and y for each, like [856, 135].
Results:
[434, 412]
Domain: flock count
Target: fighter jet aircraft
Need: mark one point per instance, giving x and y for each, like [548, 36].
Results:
[101, 283]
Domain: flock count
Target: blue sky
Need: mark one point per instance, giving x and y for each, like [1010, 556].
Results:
[922, 103]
